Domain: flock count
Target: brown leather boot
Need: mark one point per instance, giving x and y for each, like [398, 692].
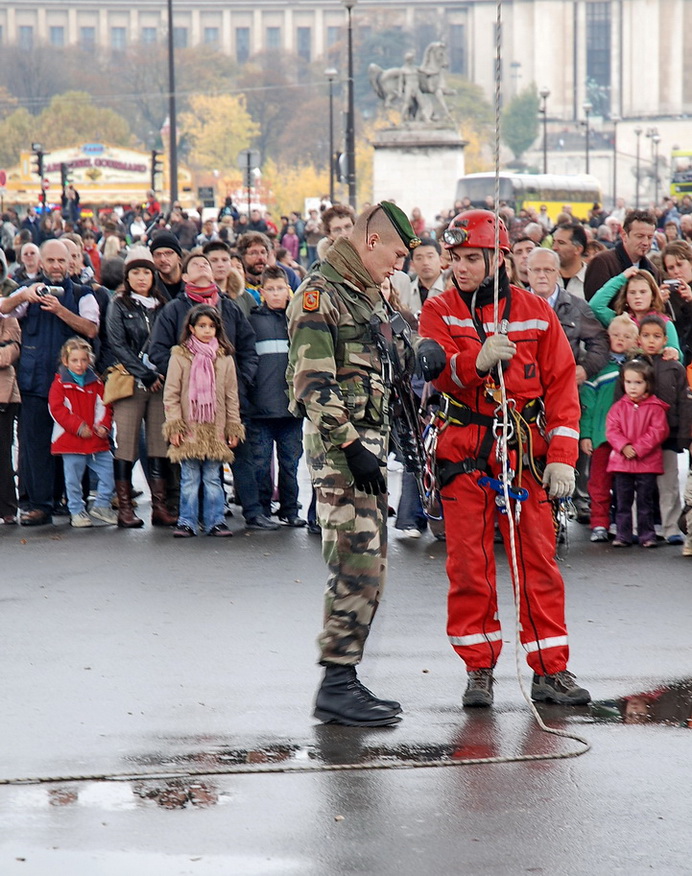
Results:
[127, 518]
[160, 515]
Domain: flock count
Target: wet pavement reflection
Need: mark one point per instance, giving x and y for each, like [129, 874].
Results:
[667, 704]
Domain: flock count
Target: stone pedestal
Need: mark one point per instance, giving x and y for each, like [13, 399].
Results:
[418, 165]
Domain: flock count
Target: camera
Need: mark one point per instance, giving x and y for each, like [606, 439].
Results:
[42, 291]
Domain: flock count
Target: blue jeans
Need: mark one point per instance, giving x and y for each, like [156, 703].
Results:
[74, 466]
[287, 434]
[207, 472]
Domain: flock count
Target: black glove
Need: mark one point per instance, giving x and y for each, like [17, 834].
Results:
[431, 359]
[365, 468]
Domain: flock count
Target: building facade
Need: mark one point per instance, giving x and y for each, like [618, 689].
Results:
[625, 57]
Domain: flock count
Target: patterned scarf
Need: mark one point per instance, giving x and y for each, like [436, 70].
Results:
[202, 380]
[203, 294]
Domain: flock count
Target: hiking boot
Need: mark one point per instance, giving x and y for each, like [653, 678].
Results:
[81, 520]
[479, 690]
[342, 699]
[561, 688]
[105, 514]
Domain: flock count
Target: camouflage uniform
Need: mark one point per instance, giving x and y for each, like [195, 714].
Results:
[336, 376]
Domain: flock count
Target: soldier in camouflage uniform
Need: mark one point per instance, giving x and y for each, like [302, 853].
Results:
[338, 377]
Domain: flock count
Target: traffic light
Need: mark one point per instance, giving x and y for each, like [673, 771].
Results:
[65, 177]
[156, 167]
[37, 166]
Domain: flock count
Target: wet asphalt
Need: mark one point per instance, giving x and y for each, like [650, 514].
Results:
[158, 680]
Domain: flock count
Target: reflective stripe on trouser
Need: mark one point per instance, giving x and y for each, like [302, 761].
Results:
[472, 622]
[354, 546]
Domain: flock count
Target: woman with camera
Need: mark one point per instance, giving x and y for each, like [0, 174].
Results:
[677, 264]
[131, 317]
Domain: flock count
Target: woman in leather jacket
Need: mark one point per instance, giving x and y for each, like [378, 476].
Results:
[130, 319]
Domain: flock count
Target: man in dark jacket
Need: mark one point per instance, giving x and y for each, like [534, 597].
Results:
[166, 333]
[636, 238]
[48, 320]
[587, 338]
[168, 258]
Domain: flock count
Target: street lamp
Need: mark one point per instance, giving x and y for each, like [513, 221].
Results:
[587, 112]
[350, 112]
[545, 94]
[656, 140]
[615, 119]
[331, 75]
[638, 134]
[173, 131]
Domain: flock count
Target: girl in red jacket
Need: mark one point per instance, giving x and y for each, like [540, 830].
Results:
[636, 427]
[80, 433]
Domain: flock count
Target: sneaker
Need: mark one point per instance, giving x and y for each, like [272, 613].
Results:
[182, 530]
[107, 515]
[81, 520]
[411, 532]
[479, 690]
[675, 539]
[561, 688]
[261, 522]
[599, 533]
[220, 531]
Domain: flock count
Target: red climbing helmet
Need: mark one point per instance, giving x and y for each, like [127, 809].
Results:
[475, 229]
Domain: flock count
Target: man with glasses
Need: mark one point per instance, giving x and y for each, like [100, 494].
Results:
[587, 338]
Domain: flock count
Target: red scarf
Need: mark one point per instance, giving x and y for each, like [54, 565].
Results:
[203, 294]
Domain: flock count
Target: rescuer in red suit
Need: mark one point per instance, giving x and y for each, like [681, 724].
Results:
[540, 378]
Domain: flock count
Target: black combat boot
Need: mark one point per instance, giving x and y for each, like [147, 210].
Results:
[342, 699]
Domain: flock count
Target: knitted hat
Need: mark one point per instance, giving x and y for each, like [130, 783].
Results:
[166, 240]
[139, 257]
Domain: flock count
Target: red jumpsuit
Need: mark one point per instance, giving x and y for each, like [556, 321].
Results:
[543, 367]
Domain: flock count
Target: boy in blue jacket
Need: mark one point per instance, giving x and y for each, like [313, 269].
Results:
[271, 424]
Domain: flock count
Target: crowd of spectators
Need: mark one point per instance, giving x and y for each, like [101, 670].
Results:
[125, 284]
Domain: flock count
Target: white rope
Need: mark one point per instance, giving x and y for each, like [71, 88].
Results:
[503, 439]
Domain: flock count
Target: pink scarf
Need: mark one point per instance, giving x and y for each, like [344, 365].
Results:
[203, 294]
[202, 380]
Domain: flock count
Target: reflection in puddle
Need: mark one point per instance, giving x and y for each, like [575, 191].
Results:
[668, 704]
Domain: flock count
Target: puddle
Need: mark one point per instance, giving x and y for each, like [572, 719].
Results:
[666, 704]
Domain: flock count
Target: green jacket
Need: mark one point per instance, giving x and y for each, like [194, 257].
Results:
[596, 396]
[600, 304]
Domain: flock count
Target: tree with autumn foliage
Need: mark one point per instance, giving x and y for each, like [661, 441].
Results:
[217, 128]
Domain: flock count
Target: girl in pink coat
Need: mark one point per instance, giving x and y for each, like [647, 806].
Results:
[636, 427]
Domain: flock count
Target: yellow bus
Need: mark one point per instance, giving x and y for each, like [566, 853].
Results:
[680, 173]
[580, 191]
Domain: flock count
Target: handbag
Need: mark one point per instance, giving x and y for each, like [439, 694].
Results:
[119, 384]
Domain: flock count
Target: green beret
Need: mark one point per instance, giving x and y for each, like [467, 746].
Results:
[400, 221]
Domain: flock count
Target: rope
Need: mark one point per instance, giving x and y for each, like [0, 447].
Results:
[503, 439]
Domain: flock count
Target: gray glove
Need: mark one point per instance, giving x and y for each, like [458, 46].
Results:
[496, 348]
[558, 479]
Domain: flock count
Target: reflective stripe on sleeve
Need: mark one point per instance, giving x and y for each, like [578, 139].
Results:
[453, 369]
[476, 638]
[563, 432]
[271, 346]
[544, 644]
[460, 323]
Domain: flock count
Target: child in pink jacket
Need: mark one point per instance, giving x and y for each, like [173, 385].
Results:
[636, 427]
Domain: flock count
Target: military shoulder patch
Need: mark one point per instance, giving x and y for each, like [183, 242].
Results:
[311, 300]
